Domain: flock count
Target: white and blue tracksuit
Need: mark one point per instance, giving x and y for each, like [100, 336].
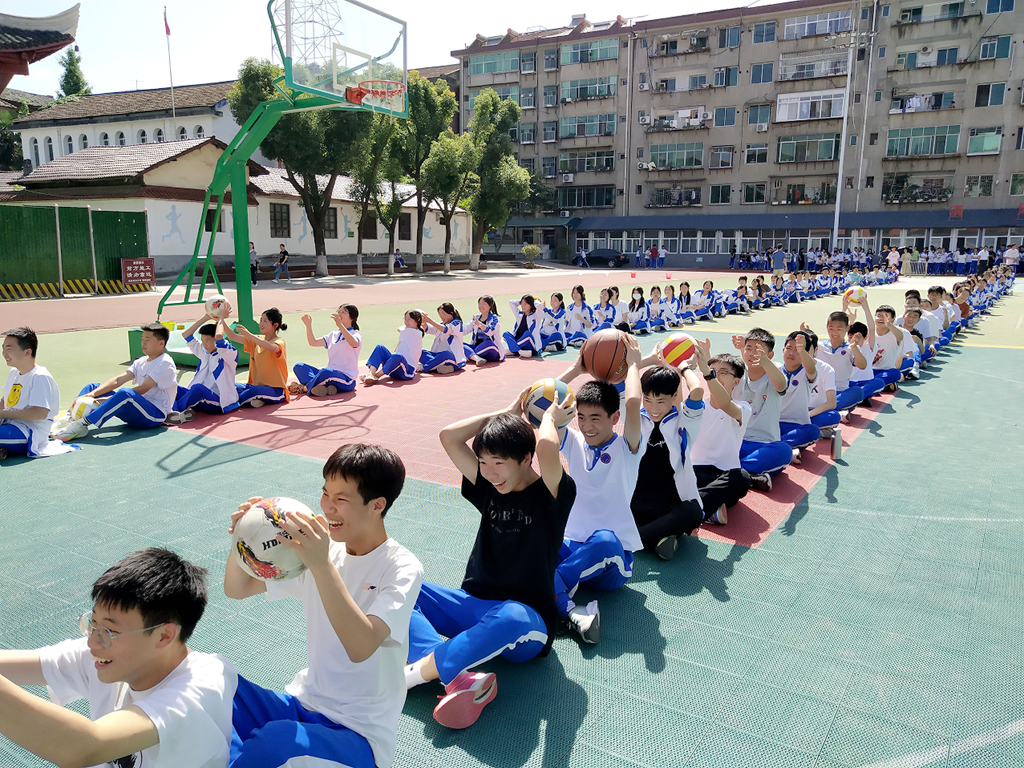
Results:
[127, 405]
[526, 336]
[448, 347]
[575, 328]
[213, 387]
[400, 365]
[710, 305]
[638, 318]
[656, 314]
[342, 364]
[605, 316]
[552, 329]
[687, 311]
[487, 342]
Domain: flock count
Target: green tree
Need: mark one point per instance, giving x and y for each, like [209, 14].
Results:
[73, 81]
[315, 147]
[431, 109]
[540, 199]
[450, 179]
[502, 180]
[10, 142]
[374, 163]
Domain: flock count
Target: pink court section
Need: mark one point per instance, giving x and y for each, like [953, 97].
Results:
[407, 417]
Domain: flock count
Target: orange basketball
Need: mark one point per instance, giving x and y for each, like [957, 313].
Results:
[676, 349]
[604, 356]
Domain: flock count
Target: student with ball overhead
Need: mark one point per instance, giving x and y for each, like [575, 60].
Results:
[601, 534]
[506, 605]
[357, 591]
[212, 389]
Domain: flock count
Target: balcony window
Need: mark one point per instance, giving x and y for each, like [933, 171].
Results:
[684, 155]
[494, 63]
[596, 50]
[808, 149]
[817, 24]
[931, 140]
[984, 141]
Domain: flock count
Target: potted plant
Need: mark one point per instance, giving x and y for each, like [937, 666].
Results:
[530, 253]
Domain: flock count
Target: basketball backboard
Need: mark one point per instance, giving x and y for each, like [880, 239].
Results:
[343, 50]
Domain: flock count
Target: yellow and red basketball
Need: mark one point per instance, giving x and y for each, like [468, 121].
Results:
[855, 294]
[677, 349]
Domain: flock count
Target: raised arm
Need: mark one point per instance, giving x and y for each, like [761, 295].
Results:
[455, 436]
[807, 359]
[776, 376]
[312, 340]
[191, 330]
[548, 445]
[631, 428]
[720, 398]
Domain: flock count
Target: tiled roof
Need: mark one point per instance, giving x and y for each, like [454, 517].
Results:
[97, 163]
[14, 39]
[276, 183]
[432, 73]
[15, 96]
[7, 178]
[132, 102]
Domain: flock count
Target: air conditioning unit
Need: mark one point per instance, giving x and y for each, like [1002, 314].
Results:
[563, 214]
[762, 127]
[644, 86]
[926, 49]
[705, 85]
[641, 166]
[567, 178]
[645, 119]
[663, 85]
[707, 116]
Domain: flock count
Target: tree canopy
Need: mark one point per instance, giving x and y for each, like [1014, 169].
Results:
[73, 82]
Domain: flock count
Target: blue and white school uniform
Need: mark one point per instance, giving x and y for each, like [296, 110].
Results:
[526, 336]
[709, 305]
[729, 301]
[656, 314]
[670, 309]
[601, 534]
[688, 312]
[486, 343]
[552, 328]
[795, 425]
[342, 364]
[605, 317]
[213, 387]
[448, 347]
[139, 411]
[33, 389]
[575, 328]
[402, 364]
[638, 319]
[680, 430]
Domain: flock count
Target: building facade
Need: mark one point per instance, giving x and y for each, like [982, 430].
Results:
[740, 128]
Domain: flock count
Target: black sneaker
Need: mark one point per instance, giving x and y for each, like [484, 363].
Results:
[666, 548]
[866, 403]
[761, 482]
[3, 454]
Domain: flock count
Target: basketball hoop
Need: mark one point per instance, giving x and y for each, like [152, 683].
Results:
[385, 95]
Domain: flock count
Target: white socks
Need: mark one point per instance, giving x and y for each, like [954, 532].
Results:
[413, 677]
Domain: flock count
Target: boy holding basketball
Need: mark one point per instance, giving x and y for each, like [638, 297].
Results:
[506, 605]
[357, 595]
[152, 701]
[144, 405]
[601, 534]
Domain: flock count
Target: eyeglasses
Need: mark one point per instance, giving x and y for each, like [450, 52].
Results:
[86, 626]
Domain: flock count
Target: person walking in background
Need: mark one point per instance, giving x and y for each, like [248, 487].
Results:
[282, 266]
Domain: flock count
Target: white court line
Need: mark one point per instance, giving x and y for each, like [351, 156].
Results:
[1019, 321]
[941, 519]
[929, 756]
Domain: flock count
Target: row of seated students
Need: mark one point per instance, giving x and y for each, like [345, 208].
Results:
[542, 534]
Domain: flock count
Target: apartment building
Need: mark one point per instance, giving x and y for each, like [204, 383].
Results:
[741, 128]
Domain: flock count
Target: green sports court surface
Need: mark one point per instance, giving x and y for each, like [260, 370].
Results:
[874, 622]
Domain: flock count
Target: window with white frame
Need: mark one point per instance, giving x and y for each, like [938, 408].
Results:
[757, 154]
[817, 24]
[199, 133]
[528, 163]
[35, 153]
[754, 193]
[930, 140]
[995, 48]
[551, 59]
[158, 137]
[550, 130]
[761, 73]
[586, 197]
[698, 81]
[729, 37]
[549, 164]
[595, 50]
[682, 155]
[83, 142]
[984, 141]
[104, 140]
[120, 139]
[990, 95]
[726, 76]
[550, 95]
[591, 88]
[503, 92]
[808, 149]
[815, 105]
[999, 6]
[764, 32]
[492, 63]
[69, 144]
[528, 63]
[584, 160]
[587, 125]
[721, 157]
[526, 97]
[721, 194]
[527, 133]
[182, 133]
[979, 186]
[142, 137]
[1016, 184]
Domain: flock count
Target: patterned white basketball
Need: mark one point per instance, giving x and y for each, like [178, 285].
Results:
[255, 542]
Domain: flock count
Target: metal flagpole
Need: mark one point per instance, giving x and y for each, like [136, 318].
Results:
[170, 73]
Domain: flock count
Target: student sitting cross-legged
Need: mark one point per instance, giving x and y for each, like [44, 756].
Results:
[29, 400]
[212, 389]
[762, 387]
[268, 360]
[486, 344]
[506, 605]
[525, 340]
[357, 593]
[801, 372]
[144, 405]
[716, 452]
[666, 503]
[343, 346]
[152, 701]
[553, 325]
[601, 534]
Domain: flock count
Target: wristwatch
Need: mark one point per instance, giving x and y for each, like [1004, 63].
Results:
[712, 374]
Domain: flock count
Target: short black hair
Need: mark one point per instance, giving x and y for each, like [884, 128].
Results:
[937, 289]
[860, 328]
[164, 587]
[377, 471]
[760, 334]
[599, 393]
[505, 436]
[839, 317]
[733, 361]
[660, 380]
[913, 309]
[805, 336]
[25, 337]
[913, 292]
[158, 330]
[886, 308]
[210, 329]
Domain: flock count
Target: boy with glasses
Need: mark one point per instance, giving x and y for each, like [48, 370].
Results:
[153, 702]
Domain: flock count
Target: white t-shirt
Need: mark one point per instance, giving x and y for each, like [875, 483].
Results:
[367, 697]
[605, 481]
[1011, 256]
[191, 707]
[840, 360]
[866, 373]
[796, 402]
[35, 389]
[764, 401]
[410, 345]
[342, 356]
[886, 351]
[163, 372]
[825, 381]
[718, 443]
[450, 339]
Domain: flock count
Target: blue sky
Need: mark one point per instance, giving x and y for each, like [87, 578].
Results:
[122, 41]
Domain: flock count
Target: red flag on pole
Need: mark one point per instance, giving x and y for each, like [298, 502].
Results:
[167, 26]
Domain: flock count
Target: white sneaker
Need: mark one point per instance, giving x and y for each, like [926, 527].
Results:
[586, 621]
[275, 280]
[72, 430]
[525, 353]
[477, 359]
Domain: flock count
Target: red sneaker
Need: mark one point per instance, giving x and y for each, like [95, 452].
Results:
[466, 697]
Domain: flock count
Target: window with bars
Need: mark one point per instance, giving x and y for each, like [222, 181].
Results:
[331, 224]
[979, 186]
[817, 24]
